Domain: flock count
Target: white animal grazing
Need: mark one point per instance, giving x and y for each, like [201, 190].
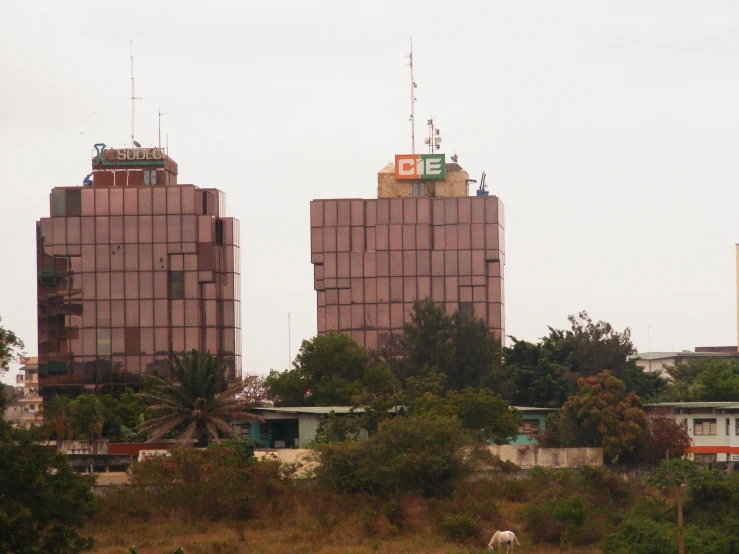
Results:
[503, 538]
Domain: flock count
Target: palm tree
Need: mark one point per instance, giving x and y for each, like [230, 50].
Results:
[193, 403]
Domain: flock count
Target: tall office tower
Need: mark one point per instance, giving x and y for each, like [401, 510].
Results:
[423, 237]
[133, 267]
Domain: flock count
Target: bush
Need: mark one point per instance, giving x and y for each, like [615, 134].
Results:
[216, 483]
[461, 528]
[242, 448]
[407, 455]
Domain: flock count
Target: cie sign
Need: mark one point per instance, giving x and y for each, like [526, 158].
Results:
[420, 166]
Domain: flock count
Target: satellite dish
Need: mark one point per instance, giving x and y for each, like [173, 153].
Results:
[136, 144]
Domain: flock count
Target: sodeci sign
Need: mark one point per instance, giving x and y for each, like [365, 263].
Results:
[420, 166]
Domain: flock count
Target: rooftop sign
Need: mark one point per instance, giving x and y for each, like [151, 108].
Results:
[413, 167]
[127, 156]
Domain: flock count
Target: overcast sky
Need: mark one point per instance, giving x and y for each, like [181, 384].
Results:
[610, 130]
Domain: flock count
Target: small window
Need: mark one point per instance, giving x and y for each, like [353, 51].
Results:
[466, 309]
[529, 427]
[245, 431]
[728, 426]
[263, 433]
[103, 342]
[150, 176]
[177, 285]
[704, 427]
[420, 189]
[32, 407]
[737, 426]
[705, 458]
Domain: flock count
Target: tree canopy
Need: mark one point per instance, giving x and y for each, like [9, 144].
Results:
[702, 379]
[546, 373]
[197, 406]
[42, 500]
[458, 346]
[603, 414]
[329, 370]
[11, 347]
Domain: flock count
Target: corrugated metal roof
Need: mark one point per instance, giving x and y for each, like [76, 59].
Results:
[692, 404]
[311, 409]
[324, 410]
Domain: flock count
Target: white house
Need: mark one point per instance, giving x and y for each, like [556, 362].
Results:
[713, 427]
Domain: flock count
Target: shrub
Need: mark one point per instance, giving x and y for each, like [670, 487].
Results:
[461, 528]
[243, 448]
[407, 455]
[215, 483]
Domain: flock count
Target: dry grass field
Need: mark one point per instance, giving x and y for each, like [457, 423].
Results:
[158, 537]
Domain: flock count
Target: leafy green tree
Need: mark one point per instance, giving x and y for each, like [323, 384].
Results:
[330, 370]
[58, 417]
[122, 415]
[702, 379]
[42, 500]
[536, 374]
[407, 455]
[458, 346]
[546, 373]
[11, 347]
[197, 406]
[482, 412]
[603, 415]
[87, 417]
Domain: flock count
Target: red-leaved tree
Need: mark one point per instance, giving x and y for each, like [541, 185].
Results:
[665, 439]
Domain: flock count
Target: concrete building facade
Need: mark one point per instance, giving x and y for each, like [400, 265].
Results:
[131, 269]
[419, 239]
[712, 426]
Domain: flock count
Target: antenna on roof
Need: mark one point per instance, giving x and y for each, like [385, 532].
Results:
[434, 140]
[413, 102]
[133, 99]
[160, 127]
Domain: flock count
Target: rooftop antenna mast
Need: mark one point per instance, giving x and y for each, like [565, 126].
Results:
[133, 100]
[434, 140]
[160, 129]
[413, 102]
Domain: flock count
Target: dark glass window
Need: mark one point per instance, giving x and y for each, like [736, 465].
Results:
[466, 308]
[73, 202]
[133, 341]
[219, 232]
[176, 285]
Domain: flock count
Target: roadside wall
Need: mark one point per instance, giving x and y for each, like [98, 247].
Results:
[525, 457]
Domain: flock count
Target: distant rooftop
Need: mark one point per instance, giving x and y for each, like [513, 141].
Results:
[684, 354]
[734, 405]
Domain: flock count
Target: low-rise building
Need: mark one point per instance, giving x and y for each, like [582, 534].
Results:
[713, 427]
[533, 422]
[30, 400]
[657, 361]
[296, 427]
